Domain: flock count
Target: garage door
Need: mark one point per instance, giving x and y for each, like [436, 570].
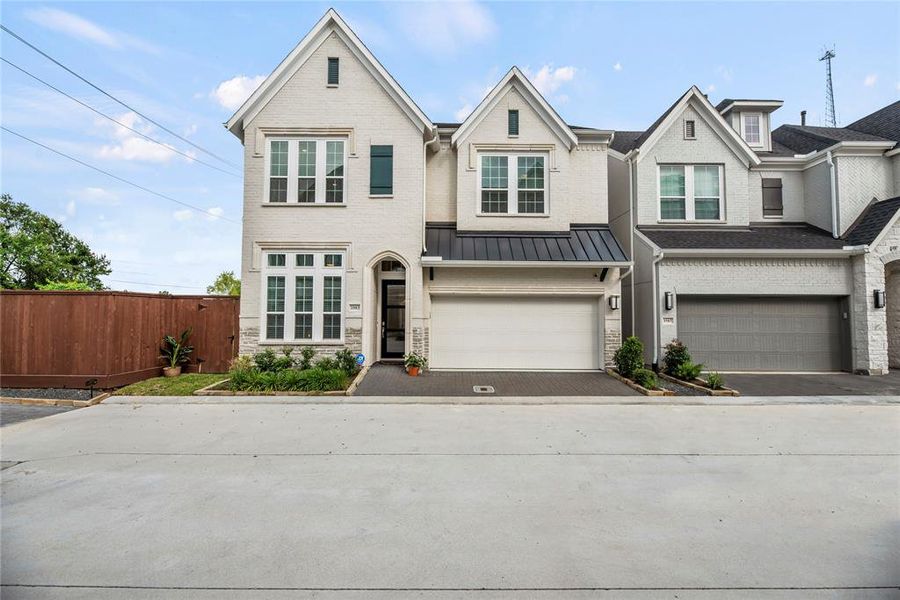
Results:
[514, 333]
[763, 334]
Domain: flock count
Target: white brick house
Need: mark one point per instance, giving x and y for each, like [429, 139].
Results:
[761, 250]
[483, 245]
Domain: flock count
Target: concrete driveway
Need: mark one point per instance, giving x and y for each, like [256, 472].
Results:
[236, 500]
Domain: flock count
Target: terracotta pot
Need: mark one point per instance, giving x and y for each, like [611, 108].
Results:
[172, 371]
[413, 371]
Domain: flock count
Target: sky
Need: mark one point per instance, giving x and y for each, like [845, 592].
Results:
[188, 66]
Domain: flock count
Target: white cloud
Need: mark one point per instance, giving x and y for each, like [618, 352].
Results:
[96, 195]
[88, 31]
[231, 93]
[617, 66]
[214, 213]
[130, 146]
[725, 73]
[710, 88]
[190, 130]
[463, 112]
[446, 27]
[547, 79]
[183, 215]
[70, 208]
[870, 80]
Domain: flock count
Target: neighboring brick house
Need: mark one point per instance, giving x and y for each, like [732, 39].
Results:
[483, 245]
[761, 250]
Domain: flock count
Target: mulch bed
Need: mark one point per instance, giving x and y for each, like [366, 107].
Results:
[48, 393]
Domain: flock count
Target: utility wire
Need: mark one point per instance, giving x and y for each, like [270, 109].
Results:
[116, 121]
[162, 285]
[108, 174]
[107, 94]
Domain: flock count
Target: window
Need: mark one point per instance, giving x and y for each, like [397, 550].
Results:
[334, 70]
[773, 205]
[513, 122]
[306, 171]
[690, 129]
[751, 125]
[381, 170]
[310, 282]
[527, 188]
[690, 193]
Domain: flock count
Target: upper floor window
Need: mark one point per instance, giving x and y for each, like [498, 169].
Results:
[751, 128]
[334, 70]
[303, 297]
[773, 204]
[522, 192]
[690, 193]
[306, 171]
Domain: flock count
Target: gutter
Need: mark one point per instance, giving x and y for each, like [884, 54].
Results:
[656, 307]
[631, 211]
[437, 261]
[835, 233]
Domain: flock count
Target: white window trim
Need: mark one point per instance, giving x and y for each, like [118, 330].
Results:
[318, 272]
[759, 116]
[294, 170]
[684, 126]
[512, 183]
[689, 212]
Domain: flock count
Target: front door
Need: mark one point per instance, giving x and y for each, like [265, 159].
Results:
[393, 319]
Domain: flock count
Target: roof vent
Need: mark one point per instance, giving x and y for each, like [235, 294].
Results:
[803, 118]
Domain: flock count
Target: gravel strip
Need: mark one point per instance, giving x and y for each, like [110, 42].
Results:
[48, 393]
[680, 390]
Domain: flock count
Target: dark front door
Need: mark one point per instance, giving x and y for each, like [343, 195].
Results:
[393, 319]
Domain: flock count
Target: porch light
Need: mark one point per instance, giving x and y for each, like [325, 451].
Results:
[614, 303]
[879, 298]
[670, 300]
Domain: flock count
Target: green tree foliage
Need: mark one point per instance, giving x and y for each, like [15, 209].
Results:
[65, 286]
[226, 284]
[36, 251]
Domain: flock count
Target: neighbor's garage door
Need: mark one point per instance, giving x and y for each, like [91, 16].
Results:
[762, 334]
[514, 333]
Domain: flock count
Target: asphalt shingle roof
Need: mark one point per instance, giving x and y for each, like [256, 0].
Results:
[582, 243]
[804, 139]
[624, 140]
[884, 123]
[762, 237]
[872, 222]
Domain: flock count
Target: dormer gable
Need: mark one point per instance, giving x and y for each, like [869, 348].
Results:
[751, 119]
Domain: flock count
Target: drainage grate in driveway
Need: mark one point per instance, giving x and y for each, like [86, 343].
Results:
[483, 389]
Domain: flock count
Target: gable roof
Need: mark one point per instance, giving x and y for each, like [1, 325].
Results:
[330, 22]
[884, 122]
[872, 222]
[804, 139]
[516, 79]
[708, 112]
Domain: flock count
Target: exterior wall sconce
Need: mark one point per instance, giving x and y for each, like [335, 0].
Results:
[614, 303]
[879, 298]
[670, 300]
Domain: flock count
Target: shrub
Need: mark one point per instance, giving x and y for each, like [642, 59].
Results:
[629, 357]
[346, 361]
[176, 352]
[241, 363]
[306, 355]
[288, 380]
[676, 355]
[715, 381]
[645, 378]
[327, 363]
[269, 362]
[688, 371]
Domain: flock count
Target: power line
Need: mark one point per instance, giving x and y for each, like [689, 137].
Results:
[107, 94]
[164, 285]
[116, 121]
[108, 174]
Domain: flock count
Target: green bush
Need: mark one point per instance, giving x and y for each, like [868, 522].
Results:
[676, 355]
[307, 353]
[715, 381]
[629, 357]
[688, 371]
[269, 362]
[645, 378]
[346, 361]
[327, 363]
[288, 380]
[414, 359]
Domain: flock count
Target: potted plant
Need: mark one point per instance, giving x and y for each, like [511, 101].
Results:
[175, 353]
[414, 363]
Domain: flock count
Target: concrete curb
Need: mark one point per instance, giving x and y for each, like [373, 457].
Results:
[518, 400]
[55, 401]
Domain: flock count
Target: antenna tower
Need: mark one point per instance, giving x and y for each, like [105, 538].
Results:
[830, 119]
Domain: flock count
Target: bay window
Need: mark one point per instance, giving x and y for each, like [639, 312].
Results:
[522, 194]
[690, 192]
[313, 284]
[306, 171]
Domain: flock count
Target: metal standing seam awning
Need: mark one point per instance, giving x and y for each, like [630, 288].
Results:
[590, 245]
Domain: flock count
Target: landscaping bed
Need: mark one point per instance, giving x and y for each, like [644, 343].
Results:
[76, 398]
[699, 386]
[183, 385]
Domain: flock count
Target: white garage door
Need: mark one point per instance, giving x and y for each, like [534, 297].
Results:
[514, 333]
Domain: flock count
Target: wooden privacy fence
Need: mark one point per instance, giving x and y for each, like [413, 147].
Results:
[65, 339]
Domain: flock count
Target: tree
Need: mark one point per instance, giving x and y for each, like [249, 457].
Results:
[65, 286]
[36, 251]
[226, 284]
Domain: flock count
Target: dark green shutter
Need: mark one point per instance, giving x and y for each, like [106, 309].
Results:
[334, 71]
[513, 122]
[381, 170]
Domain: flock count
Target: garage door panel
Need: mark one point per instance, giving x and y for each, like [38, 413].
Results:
[762, 334]
[514, 333]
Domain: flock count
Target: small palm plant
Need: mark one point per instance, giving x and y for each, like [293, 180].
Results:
[175, 353]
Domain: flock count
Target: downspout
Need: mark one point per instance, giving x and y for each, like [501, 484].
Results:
[434, 138]
[656, 329]
[835, 231]
[631, 209]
